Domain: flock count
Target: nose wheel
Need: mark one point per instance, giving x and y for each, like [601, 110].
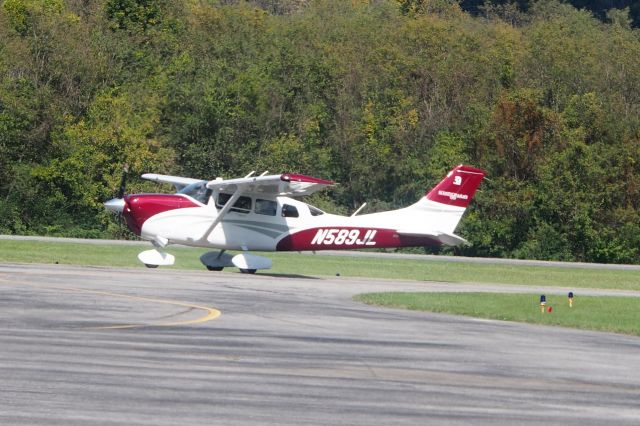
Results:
[155, 258]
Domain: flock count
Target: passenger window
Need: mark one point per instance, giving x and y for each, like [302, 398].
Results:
[242, 205]
[266, 207]
[289, 211]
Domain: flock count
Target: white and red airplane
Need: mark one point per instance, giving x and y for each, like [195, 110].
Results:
[259, 213]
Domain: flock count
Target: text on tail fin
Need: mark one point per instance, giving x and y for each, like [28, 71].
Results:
[458, 187]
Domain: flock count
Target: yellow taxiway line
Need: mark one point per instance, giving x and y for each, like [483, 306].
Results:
[211, 313]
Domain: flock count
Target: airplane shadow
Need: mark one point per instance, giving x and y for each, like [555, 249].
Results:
[306, 277]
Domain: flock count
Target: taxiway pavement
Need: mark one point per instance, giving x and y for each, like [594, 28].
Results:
[82, 345]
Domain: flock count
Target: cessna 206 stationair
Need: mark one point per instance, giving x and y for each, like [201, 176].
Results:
[259, 213]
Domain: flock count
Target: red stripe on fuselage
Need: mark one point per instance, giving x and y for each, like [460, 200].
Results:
[348, 238]
[140, 207]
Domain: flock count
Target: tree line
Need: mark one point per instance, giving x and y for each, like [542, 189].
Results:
[599, 8]
[382, 96]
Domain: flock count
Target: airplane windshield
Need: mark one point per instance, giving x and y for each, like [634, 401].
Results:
[198, 191]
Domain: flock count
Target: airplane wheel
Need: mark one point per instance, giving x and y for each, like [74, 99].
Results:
[248, 271]
[150, 266]
[215, 268]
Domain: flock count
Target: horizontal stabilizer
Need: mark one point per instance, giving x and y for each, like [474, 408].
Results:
[443, 237]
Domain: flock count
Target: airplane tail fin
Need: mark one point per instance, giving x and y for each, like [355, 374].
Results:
[446, 203]
[458, 187]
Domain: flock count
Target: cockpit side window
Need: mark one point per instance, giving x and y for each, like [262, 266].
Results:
[266, 207]
[222, 199]
[242, 204]
[289, 211]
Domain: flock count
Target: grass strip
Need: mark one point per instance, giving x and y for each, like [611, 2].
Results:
[305, 264]
[606, 313]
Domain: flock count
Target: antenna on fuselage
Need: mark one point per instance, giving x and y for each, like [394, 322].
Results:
[359, 208]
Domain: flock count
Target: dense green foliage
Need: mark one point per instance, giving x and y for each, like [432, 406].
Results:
[599, 8]
[382, 96]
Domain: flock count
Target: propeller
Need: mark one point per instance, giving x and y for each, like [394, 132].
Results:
[117, 204]
[123, 181]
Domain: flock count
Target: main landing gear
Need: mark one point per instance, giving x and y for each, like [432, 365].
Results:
[213, 260]
[247, 263]
[216, 260]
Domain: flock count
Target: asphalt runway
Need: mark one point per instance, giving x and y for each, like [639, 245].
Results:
[81, 345]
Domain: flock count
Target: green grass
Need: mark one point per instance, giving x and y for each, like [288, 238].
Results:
[305, 264]
[611, 314]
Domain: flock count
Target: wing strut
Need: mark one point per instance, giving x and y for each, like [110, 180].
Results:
[230, 202]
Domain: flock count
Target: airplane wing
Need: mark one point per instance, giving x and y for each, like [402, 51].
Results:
[276, 185]
[443, 237]
[287, 184]
[177, 181]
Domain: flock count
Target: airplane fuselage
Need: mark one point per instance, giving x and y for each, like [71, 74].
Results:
[263, 213]
[286, 225]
